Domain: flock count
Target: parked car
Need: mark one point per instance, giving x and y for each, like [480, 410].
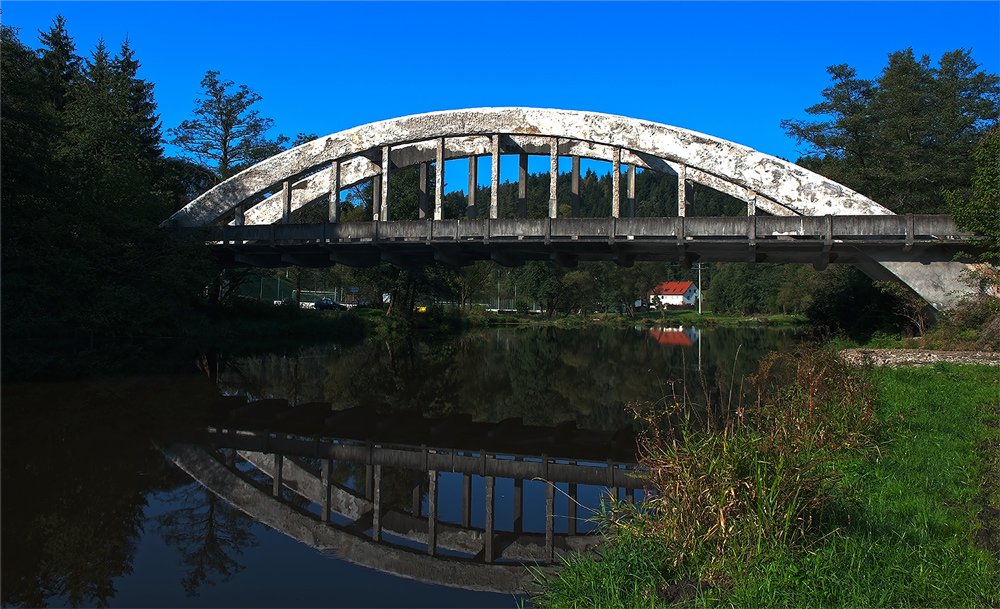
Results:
[329, 304]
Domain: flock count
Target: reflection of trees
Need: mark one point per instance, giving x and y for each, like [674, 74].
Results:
[207, 532]
[546, 376]
[77, 468]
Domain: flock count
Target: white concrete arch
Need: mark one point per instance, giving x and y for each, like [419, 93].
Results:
[343, 159]
[270, 191]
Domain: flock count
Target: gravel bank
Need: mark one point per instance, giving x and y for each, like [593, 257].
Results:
[919, 357]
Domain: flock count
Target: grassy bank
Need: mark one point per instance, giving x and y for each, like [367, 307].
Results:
[824, 509]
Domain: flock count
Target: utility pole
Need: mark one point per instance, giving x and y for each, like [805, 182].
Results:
[699, 292]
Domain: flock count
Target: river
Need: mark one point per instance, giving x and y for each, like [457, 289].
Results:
[299, 478]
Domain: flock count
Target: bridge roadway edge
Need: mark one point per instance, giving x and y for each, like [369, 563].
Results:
[899, 248]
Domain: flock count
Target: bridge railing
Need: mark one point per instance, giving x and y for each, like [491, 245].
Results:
[906, 229]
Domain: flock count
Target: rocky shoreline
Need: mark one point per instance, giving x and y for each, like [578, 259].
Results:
[919, 357]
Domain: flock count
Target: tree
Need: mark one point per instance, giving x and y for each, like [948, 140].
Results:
[981, 212]
[84, 188]
[226, 133]
[905, 137]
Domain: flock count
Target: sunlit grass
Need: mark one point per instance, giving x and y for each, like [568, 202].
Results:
[896, 529]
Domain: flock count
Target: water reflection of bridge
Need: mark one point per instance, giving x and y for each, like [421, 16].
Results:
[276, 463]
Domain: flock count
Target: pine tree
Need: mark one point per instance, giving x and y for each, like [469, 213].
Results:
[226, 133]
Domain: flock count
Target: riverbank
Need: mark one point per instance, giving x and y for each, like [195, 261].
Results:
[912, 518]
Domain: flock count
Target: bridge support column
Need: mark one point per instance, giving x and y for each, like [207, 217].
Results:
[488, 533]
[684, 192]
[616, 184]
[522, 186]
[518, 505]
[432, 498]
[377, 505]
[466, 500]
[279, 461]
[439, 181]
[384, 198]
[553, 177]
[333, 210]
[376, 196]
[575, 187]
[327, 472]
[423, 192]
[630, 210]
[495, 179]
[415, 494]
[286, 203]
[470, 199]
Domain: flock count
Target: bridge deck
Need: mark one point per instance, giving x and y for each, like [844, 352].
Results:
[811, 239]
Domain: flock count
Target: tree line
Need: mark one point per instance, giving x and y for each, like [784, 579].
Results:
[86, 183]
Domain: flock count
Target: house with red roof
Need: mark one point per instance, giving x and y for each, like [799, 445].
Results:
[673, 293]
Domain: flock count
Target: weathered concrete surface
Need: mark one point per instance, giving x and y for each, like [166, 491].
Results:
[788, 185]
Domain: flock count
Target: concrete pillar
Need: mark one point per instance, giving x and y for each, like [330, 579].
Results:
[752, 204]
[231, 458]
[376, 197]
[415, 493]
[495, 179]
[470, 205]
[684, 193]
[369, 482]
[488, 533]
[522, 187]
[630, 211]
[241, 216]
[334, 206]
[278, 463]
[377, 505]
[432, 480]
[384, 214]
[327, 473]
[553, 177]
[575, 188]
[423, 191]
[286, 208]
[466, 500]
[439, 181]
[518, 504]
[616, 184]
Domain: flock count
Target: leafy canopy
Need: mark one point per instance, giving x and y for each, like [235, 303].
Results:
[905, 137]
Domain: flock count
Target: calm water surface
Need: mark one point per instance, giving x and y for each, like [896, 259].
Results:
[96, 510]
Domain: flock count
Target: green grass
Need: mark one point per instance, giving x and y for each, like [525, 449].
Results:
[899, 531]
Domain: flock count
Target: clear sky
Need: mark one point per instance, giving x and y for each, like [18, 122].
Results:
[733, 70]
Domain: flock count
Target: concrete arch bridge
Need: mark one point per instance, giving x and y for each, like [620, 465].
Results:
[804, 217]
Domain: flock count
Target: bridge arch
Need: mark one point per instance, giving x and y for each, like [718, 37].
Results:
[269, 192]
[341, 160]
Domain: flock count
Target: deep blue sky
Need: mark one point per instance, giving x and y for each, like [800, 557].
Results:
[729, 69]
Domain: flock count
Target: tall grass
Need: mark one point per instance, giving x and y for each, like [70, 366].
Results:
[828, 485]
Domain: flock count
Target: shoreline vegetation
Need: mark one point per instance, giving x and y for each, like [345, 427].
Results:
[831, 485]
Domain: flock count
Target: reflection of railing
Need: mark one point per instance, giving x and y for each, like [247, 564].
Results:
[358, 524]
